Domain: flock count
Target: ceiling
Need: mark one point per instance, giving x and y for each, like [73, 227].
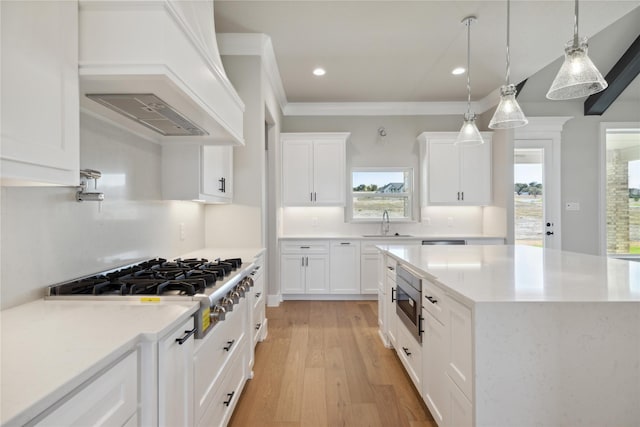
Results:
[404, 51]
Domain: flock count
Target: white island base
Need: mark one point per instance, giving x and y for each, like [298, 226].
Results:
[523, 336]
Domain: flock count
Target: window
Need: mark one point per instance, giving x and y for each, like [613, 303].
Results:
[623, 191]
[374, 190]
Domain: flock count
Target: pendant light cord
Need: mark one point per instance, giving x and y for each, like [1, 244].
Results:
[508, 52]
[469, 66]
[575, 26]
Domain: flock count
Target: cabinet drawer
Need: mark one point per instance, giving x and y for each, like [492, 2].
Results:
[222, 345]
[433, 300]
[259, 322]
[110, 399]
[369, 247]
[225, 395]
[410, 353]
[390, 269]
[304, 247]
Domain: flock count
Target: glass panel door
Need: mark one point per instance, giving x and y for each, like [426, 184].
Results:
[534, 209]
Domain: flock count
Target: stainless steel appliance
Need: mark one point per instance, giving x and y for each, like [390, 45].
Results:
[444, 242]
[217, 285]
[409, 300]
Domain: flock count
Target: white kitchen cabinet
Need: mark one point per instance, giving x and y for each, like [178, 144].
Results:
[391, 327]
[258, 319]
[369, 266]
[175, 377]
[304, 267]
[459, 408]
[313, 169]
[459, 340]
[110, 399]
[454, 174]
[345, 267]
[434, 366]
[40, 104]
[195, 172]
[409, 351]
[225, 346]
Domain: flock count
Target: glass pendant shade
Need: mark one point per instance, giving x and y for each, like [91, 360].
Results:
[508, 114]
[469, 133]
[578, 77]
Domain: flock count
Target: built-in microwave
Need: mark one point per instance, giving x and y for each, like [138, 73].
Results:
[409, 300]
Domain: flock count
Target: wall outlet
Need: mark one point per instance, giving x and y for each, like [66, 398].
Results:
[450, 221]
[182, 231]
[572, 206]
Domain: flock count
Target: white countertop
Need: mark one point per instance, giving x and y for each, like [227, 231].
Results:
[51, 347]
[504, 273]
[390, 237]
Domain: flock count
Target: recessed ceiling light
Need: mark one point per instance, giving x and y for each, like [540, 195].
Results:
[319, 72]
[457, 71]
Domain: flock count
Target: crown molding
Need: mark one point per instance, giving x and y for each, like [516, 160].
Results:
[252, 44]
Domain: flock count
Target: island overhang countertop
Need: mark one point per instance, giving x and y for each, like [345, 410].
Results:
[507, 273]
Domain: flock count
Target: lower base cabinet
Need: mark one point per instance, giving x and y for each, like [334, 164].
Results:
[434, 366]
[110, 399]
[410, 352]
[459, 408]
[175, 377]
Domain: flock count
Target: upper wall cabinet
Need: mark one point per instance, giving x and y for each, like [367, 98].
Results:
[197, 172]
[130, 50]
[40, 117]
[313, 169]
[454, 174]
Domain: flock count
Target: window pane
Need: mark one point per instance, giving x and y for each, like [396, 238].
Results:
[375, 191]
[371, 207]
[623, 192]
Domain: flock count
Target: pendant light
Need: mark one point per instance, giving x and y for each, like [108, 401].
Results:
[508, 114]
[469, 133]
[578, 76]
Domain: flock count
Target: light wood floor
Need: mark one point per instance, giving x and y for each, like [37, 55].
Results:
[323, 364]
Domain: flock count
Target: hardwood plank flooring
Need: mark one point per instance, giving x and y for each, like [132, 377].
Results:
[323, 365]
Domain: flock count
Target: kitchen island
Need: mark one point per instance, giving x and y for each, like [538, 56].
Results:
[532, 336]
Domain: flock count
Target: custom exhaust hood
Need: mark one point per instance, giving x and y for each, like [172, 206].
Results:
[153, 67]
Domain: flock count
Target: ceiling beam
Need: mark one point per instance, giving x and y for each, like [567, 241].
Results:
[620, 76]
[520, 86]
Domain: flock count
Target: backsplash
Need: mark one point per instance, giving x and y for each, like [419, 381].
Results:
[68, 239]
[437, 220]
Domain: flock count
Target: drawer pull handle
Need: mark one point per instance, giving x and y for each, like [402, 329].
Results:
[393, 294]
[182, 340]
[229, 345]
[390, 268]
[228, 401]
[406, 351]
[345, 243]
[258, 294]
[305, 247]
[258, 326]
[432, 300]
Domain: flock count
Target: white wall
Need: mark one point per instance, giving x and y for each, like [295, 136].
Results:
[48, 237]
[580, 137]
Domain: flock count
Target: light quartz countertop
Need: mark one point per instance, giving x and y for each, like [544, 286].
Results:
[390, 237]
[501, 273]
[51, 347]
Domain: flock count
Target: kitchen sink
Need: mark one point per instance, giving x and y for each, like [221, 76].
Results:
[382, 236]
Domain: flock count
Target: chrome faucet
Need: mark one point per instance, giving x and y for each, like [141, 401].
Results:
[385, 225]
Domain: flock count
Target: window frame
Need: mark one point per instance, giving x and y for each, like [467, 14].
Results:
[602, 199]
[410, 194]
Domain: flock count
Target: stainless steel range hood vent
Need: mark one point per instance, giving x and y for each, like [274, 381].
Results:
[150, 111]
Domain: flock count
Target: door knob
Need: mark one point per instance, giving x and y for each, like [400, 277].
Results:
[549, 233]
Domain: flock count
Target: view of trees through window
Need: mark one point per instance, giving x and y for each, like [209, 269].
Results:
[623, 191]
[375, 191]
